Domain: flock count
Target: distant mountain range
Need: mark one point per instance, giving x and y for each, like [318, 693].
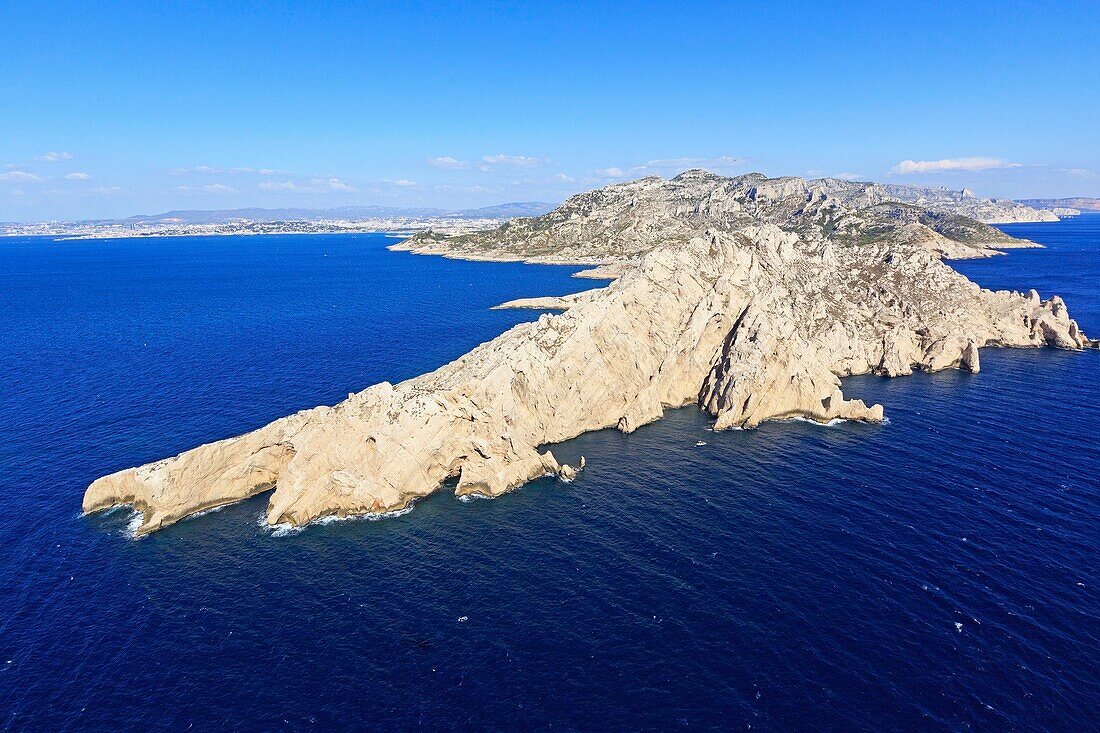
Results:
[348, 213]
[1084, 203]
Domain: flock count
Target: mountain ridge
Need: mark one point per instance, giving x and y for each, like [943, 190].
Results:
[1083, 203]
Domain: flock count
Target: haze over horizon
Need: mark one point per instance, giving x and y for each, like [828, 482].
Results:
[129, 109]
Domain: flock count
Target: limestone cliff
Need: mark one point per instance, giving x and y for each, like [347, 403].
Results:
[749, 297]
[990, 211]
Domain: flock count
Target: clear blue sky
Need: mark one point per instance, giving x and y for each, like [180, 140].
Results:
[111, 109]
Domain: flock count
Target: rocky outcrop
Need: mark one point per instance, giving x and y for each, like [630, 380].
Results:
[749, 320]
[550, 302]
[964, 202]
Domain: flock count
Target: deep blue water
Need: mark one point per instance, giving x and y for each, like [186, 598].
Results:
[936, 573]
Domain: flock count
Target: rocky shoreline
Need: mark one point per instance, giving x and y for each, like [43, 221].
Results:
[748, 297]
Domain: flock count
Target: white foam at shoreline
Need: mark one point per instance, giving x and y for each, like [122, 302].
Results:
[285, 529]
[831, 423]
[204, 512]
[134, 524]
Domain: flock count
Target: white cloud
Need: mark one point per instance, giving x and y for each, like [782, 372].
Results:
[404, 182]
[674, 166]
[446, 161]
[312, 185]
[1078, 172]
[477, 188]
[108, 190]
[194, 169]
[908, 167]
[211, 170]
[54, 157]
[209, 188]
[78, 176]
[280, 186]
[335, 184]
[21, 176]
[678, 165]
[519, 161]
[562, 178]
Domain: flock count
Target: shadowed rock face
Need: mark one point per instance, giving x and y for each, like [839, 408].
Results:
[751, 320]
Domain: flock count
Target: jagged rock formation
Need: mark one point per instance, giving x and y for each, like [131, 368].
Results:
[750, 302]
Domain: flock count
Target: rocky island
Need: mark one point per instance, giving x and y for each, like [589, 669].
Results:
[749, 297]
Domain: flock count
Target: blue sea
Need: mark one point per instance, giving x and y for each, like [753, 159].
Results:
[937, 573]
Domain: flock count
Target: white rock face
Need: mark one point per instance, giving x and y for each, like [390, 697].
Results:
[748, 319]
[990, 211]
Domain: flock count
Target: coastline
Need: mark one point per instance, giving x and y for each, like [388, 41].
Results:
[750, 321]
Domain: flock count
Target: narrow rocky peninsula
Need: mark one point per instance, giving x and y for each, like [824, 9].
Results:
[749, 297]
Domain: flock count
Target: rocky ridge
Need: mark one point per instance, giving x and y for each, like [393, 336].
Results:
[747, 297]
[964, 202]
[1075, 203]
[620, 222]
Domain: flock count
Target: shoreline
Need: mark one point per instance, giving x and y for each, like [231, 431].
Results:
[749, 320]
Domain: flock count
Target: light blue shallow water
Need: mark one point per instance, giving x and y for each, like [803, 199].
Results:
[935, 573]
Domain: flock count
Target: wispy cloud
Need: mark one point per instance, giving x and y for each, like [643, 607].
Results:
[1078, 172]
[21, 176]
[562, 178]
[719, 164]
[53, 157]
[108, 190]
[208, 188]
[78, 176]
[518, 161]
[909, 167]
[404, 182]
[449, 163]
[280, 186]
[674, 166]
[209, 170]
[312, 185]
[477, 188]
[486, 162]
